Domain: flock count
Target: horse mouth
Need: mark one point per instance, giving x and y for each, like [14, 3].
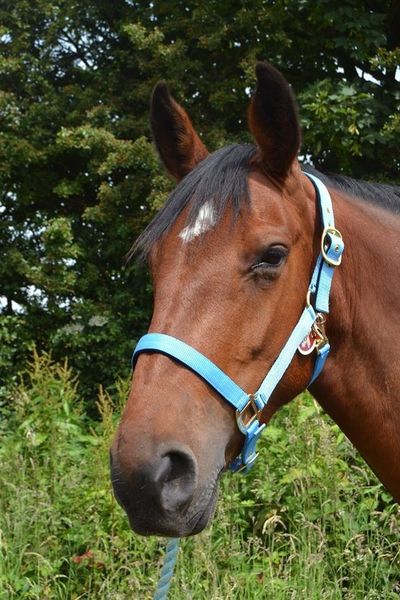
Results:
[202, 517]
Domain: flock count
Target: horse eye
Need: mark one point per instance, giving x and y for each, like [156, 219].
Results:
[272, 257]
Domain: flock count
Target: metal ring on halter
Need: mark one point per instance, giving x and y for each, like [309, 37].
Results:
[333, 262]
[251, 404]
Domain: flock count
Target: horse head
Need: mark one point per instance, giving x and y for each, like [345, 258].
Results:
[230, 254]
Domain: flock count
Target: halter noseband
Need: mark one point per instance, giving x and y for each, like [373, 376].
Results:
[309, 327]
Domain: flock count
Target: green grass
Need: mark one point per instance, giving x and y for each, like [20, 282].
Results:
[309, 522]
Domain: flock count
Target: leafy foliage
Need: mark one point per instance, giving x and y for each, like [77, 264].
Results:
[79, 176]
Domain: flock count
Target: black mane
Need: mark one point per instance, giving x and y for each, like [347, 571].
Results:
[383, 194]
[221, 178]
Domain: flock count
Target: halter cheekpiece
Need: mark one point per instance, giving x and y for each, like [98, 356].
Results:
[307, 336]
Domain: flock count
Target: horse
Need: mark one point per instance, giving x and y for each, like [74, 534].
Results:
[231, 255]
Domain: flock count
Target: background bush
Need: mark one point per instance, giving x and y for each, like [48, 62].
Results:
[79, 177]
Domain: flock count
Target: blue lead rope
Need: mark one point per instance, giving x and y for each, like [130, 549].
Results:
[171, 554]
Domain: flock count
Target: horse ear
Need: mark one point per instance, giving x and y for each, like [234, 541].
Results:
[274, 121]
[178, 145]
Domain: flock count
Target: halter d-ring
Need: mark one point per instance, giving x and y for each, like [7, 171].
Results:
[334, 235]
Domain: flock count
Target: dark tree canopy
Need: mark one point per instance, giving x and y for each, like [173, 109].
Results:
[79, 175]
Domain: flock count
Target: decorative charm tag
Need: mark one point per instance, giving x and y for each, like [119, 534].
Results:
[308, 344]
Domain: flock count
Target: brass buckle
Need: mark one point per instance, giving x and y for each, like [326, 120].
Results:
[333, 262]
[250, 405]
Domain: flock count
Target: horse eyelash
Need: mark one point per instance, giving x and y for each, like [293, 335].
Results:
[263, 263]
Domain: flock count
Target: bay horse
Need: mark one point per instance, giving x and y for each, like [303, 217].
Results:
[231, 255]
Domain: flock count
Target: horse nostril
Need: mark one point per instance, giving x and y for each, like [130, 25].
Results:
[176, 477]
[156, 493]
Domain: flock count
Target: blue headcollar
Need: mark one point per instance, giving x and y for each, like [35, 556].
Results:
[308, 334]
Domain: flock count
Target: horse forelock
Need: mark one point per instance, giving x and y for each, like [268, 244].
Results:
[219, 180]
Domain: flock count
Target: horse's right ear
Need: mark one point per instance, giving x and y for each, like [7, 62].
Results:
[178, 145]
[274, 122]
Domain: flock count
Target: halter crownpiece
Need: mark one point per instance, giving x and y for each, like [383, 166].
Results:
[309, 327]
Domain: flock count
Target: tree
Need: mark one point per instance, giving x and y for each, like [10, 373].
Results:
[79, 176]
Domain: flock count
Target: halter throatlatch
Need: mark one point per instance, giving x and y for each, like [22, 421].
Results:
[307, 336]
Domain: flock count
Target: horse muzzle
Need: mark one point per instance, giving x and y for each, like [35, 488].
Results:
[159, 496]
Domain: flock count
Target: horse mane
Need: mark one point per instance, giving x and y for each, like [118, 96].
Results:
[222, 178]
[383, 194]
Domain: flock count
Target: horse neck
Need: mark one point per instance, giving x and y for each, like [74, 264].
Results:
[360, 385]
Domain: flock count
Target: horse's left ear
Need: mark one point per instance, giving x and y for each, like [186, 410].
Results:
[274, 122]
[177, 142]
